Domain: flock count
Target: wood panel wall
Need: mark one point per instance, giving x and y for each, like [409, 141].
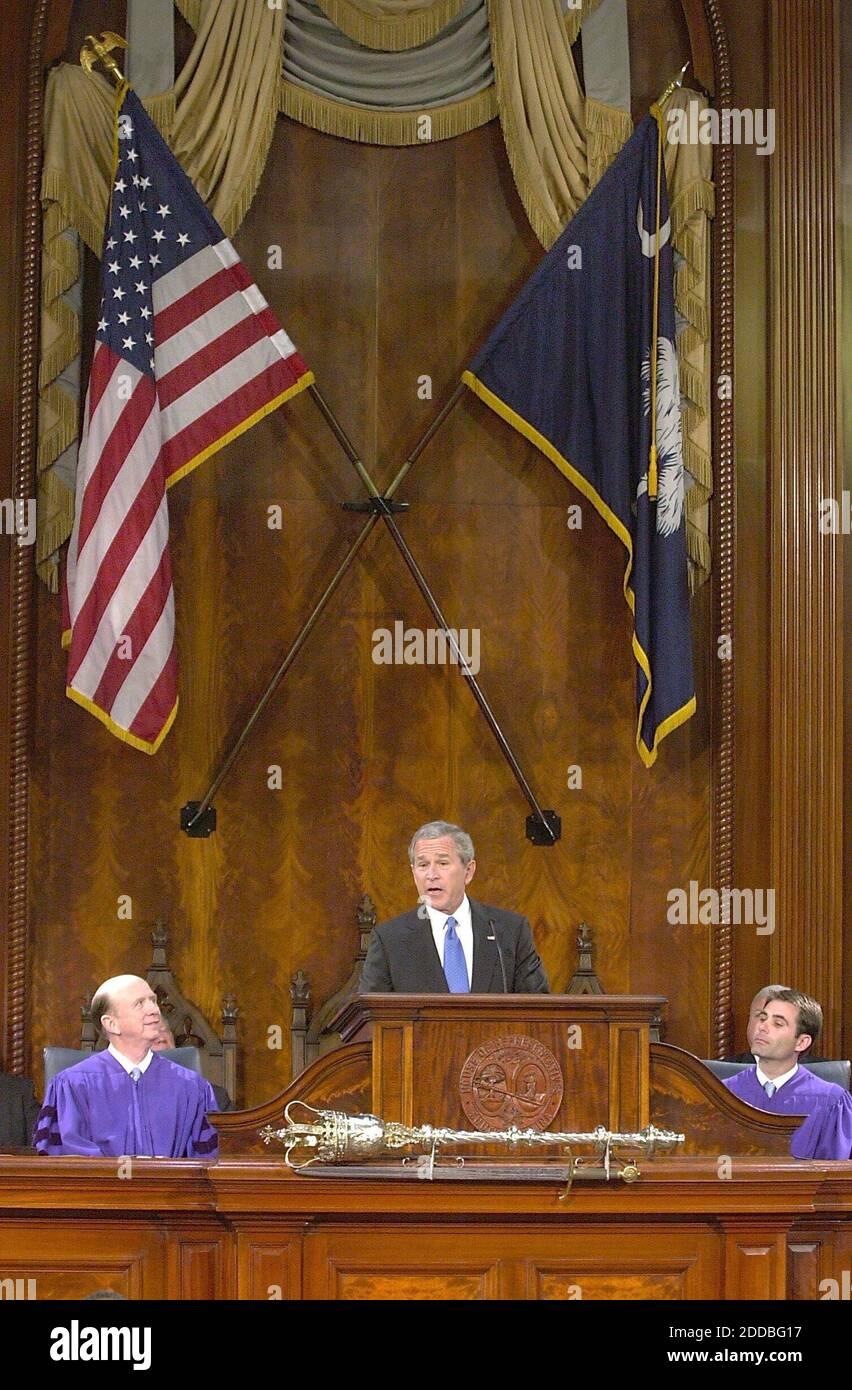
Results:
[396, 263]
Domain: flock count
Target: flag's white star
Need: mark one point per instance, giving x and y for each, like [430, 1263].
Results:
[125, 212]
[136, 180]
[149, 338]
[128, 343]
[142, 207]
[182, 239]
[164, 210]
[134, 262]
[130, 236]
[155, 260]
[113, 267]
[118, 292]
[124, 318]
[140, 286]
[145, 311]
[102, 326]
[132, 156]
[159, 235]
[144, 182]
[153, 365]
[111, 244]
[120, 186]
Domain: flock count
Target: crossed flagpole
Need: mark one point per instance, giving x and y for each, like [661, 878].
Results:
[198, 818]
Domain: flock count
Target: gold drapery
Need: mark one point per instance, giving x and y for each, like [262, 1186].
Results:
[541, 110]
[387, 127]
[390, 25]
[689, 173]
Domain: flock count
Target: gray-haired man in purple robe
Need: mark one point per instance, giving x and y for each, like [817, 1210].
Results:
[780, 1033]
[127, 1100]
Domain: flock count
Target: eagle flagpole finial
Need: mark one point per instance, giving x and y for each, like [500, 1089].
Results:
[676, 82]
[98, 51]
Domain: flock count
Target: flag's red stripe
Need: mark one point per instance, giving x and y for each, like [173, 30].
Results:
[158, 703]
[138, 629]
[221, 285]
[210, 358]
[113, 453]
[126, 542]
[228, 414]
[104, 362]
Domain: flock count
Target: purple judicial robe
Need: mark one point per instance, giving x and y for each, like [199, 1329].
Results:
[827, 1131]
[91, 1109]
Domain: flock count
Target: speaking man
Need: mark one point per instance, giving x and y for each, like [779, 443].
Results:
[127, 1100]
[450, 944]
[785, 1027]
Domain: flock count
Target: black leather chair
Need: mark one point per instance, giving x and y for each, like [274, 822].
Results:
[838, 1072]
[58, 1059]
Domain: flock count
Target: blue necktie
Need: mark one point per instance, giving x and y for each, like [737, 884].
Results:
[455, 965]
[136, 1118]
[770, 1088]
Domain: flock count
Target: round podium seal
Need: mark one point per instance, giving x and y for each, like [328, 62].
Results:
[508, 1081]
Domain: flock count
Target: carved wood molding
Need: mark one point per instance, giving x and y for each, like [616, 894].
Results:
[807, 598]
[724, 537]
[22, 564]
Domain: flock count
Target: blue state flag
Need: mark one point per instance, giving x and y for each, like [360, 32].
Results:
[570, 365]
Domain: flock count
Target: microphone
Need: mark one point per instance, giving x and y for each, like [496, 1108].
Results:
[492, 926]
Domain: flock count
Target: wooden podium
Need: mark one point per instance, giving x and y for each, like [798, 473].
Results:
[490, 1061]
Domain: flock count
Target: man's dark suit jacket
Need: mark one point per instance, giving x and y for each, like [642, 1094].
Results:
[18, 1112]
[402, 959]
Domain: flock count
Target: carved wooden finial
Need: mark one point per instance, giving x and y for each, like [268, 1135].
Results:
[300, 990]
[584, 980]
[366, 914]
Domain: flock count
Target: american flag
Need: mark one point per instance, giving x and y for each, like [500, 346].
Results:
[187, 356]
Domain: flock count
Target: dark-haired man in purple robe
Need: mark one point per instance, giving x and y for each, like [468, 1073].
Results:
[784, 1030]
[127, 1100]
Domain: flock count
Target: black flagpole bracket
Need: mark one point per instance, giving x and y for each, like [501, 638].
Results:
[197, 827]
[544, 829]
[376, 506]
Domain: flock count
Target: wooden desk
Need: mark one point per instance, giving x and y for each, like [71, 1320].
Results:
[247, 1228]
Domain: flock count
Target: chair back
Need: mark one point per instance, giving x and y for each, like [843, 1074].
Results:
[58, 1059]
[838, 1072]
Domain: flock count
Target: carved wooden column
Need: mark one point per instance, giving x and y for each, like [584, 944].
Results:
[805, 467]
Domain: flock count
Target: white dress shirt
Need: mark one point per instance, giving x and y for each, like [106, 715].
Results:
[126, 1062]
[464, 932]
[779, 1080]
